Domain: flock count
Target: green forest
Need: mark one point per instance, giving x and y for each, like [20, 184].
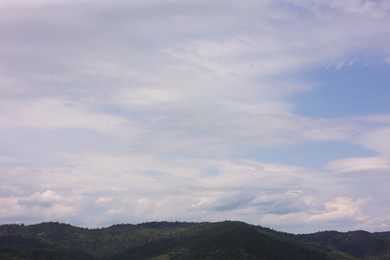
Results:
[181, 240]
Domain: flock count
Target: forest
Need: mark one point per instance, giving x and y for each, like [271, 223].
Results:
[182, 240]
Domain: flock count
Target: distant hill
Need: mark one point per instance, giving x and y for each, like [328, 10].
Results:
[177, 240]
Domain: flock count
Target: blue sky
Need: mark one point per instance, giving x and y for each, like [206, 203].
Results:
[360, 89]
[269, 112]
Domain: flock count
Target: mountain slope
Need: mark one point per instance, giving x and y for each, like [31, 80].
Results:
[225, 240]
[176, 240]
[360, 244]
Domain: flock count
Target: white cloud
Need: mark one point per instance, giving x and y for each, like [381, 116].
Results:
[124, 101]
[11, 210]
[377, 140]
[341, 208]
[40, 206]
[368, 165]
[103, 200]
[341, 212]
[54, 113]
[102, 190]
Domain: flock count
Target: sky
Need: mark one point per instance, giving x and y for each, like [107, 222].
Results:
[272, 112]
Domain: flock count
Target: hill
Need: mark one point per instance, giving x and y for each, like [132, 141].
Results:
[177, 240]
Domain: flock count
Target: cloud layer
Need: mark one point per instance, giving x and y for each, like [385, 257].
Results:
[125, 111]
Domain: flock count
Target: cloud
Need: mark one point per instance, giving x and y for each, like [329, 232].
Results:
[342, 212]
[136, 111]
[376, 140]
[56, 114]
[369, 165]
[103, 200]
[40, 206]
[159, 189]
[340, 208]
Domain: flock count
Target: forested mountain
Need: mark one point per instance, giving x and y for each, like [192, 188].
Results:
[177, 240]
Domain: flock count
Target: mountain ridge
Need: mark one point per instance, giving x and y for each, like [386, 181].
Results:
[185, 240]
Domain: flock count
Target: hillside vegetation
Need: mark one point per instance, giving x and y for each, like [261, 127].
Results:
[177, 240]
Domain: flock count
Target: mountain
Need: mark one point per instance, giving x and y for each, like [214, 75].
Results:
[178, 240]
